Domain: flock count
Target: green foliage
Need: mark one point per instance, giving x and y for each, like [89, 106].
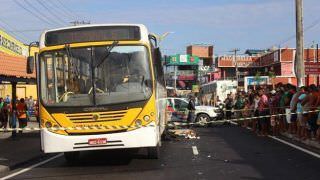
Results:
[271, 74]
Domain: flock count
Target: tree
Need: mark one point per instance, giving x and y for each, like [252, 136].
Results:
[272, 75]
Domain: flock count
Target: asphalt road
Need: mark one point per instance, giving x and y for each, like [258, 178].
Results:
[225, 152]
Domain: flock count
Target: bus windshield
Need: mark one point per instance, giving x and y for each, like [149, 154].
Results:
[119, 76]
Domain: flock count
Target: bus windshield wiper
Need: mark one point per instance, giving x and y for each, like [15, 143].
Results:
[108, 52]
[70, 58]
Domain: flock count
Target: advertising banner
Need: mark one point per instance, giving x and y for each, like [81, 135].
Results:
[12, 46]
[252, 80]
[183, 60]
[312, 68]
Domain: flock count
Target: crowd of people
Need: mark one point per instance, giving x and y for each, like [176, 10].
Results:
[284, 109]
[16, 111]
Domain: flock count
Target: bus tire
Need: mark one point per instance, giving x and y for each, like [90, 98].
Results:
[72, 157]
[154, 152]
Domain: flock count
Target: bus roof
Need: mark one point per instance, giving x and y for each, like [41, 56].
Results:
[143, 31]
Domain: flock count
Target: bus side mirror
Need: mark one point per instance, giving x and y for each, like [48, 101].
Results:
[30, 64]
[157, 54]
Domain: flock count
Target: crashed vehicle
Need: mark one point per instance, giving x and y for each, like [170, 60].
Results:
[179, 109]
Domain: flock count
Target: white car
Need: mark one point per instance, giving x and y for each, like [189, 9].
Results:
[203, 114]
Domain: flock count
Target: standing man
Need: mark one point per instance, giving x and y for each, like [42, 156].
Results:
[30, 105]
[22, 114]
[263, 111]
[229, 104]
[3, 121]
[293, 109]
[191, 108]
[7, 100]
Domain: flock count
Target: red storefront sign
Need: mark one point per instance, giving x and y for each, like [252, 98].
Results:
[187, 77]
[312, 68]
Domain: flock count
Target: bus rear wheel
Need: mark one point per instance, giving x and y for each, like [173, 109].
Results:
[154, 152]
[72, 157]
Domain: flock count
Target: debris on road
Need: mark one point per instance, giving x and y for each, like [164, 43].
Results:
[187, 133]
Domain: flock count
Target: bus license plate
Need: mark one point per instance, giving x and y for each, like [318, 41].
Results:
[97, 141]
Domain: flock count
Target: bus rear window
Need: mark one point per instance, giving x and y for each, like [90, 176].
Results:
[91, 34]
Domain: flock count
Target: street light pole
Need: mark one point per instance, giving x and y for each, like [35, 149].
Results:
[299, 43]
[160, 38]
[236, 64]
[175, 78]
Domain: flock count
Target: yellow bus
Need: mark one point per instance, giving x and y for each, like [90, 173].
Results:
[99, 88]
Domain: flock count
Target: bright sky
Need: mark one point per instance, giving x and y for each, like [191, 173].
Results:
[227, 24]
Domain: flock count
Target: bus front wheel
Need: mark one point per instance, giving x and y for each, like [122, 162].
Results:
[154, 152]
[72, 157]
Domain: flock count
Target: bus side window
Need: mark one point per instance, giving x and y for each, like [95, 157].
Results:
[158, 66]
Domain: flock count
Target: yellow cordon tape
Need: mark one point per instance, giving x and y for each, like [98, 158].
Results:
[171, 124]
[237, 119]
[75, 128]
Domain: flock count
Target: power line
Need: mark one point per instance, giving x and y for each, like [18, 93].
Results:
[49, 10]
[67, 10]
[21, 38]
[60, 9]
[31, 12]
[9, 27]
[42, 14]
[26, 30]
[315, 23]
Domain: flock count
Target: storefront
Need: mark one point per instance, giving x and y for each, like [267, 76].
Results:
[13, 76]
[182, 71]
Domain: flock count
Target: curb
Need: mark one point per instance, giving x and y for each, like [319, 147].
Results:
[309, 143]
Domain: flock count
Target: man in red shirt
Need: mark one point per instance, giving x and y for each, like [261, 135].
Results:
[22, 114]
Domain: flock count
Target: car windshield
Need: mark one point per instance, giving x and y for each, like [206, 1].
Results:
[122, 76]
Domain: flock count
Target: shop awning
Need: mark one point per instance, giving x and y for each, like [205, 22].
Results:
[13, 69]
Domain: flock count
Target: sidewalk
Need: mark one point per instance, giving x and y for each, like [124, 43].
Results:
[18, 151]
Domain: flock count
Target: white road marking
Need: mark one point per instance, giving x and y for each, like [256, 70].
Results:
[289, 144]
[296, 147]
[31, 167]
[195, 150]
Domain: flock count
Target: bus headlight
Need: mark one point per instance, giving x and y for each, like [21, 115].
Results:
[48, 124]
[138, 122]
[146, 118]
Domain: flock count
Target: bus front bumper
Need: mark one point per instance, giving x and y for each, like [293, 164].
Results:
[141, 137]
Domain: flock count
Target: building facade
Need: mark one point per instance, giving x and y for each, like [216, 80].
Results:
[277, 64]
[204, 52]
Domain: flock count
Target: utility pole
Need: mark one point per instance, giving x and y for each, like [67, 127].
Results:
[77, 23]
[317, 60]
[236, 64]
[299, 44]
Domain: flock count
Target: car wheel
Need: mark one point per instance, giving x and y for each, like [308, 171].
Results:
[203, 119]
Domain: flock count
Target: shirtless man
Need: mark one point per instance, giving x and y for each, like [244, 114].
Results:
[309, 105]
